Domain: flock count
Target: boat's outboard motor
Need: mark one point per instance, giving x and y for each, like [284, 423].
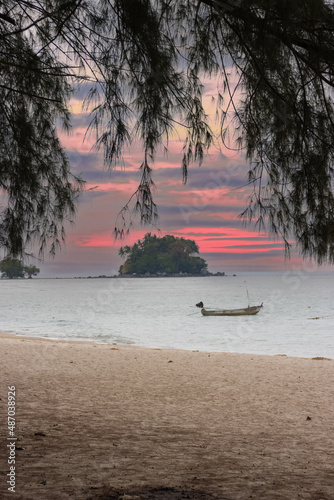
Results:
[200, 304]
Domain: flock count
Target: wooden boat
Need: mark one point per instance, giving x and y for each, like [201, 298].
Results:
[246, 311]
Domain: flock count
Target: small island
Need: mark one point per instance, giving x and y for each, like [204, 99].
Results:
[11, 268]
[165, 256]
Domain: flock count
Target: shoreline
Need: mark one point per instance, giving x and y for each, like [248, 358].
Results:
[125, 422]
[123, 276]
[4, 335]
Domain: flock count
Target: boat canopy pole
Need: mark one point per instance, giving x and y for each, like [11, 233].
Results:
[247, 294]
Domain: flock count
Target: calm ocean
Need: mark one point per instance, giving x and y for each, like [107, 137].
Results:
[297, 318]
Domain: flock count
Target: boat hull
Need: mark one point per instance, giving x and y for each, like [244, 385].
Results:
[247, 311]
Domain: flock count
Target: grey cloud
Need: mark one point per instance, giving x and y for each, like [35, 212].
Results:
[201, 223]
[188, 211]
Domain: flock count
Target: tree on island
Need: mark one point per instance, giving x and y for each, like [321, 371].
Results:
[31, 271]
[143, 63]
[14, 268]
[169, 254]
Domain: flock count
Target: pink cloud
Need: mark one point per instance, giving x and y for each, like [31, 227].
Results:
[210, 198]
[111, 187]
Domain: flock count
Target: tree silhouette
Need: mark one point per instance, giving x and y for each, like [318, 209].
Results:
[11, 268]
[14, 268]
[168, 254]
[31, 271]
[143, 63]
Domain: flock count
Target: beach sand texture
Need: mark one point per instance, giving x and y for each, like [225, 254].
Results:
[122, 422]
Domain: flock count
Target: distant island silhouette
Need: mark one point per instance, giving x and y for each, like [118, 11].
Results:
[165, 256]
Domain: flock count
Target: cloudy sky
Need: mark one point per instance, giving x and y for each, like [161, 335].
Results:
[206, 209]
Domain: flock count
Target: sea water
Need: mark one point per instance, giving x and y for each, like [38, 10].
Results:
[297, 318]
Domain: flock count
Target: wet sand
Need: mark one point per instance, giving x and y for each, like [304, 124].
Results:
[122, 422]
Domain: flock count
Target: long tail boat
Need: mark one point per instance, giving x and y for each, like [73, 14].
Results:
[246, 311]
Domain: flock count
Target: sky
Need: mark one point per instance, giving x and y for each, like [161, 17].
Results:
[206, 209]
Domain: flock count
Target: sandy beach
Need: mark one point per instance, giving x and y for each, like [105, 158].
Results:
[121, 422]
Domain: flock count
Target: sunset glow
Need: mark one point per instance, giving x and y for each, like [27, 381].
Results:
[206, 209]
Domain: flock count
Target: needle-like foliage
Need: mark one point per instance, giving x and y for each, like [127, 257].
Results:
[143, 63]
